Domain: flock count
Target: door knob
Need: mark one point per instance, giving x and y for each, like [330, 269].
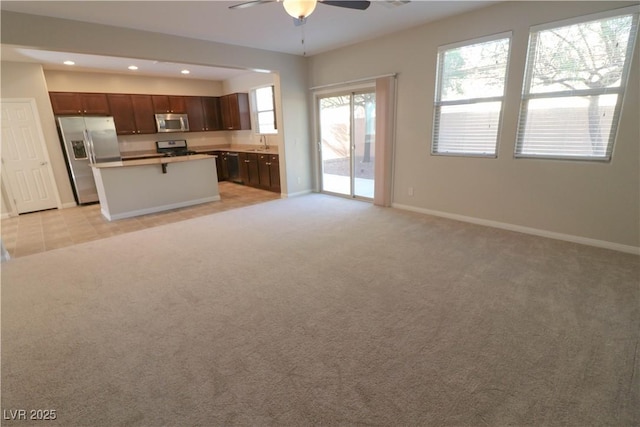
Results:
[43, 163]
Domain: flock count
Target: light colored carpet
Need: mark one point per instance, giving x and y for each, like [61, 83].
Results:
[320, 310]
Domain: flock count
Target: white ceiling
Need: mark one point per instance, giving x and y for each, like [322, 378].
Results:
[263, 26]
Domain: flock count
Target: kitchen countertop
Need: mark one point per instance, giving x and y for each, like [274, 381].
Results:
[141, 155]
[253, 149]
[151, 161]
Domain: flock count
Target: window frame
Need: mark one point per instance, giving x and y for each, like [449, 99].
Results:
[439, 103]
[255, 112]
[527, 96]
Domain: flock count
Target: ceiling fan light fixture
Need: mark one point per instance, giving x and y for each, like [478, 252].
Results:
[299, 9]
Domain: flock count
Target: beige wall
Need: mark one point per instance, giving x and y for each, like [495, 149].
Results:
[589, 200]
[74, 81]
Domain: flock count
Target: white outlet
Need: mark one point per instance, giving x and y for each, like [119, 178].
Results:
[410, 191]
[299, 180]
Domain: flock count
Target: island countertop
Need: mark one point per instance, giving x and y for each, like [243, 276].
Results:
[151, 161]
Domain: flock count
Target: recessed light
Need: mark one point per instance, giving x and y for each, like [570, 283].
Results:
[69, 63]
[132, 67]
[185, 71]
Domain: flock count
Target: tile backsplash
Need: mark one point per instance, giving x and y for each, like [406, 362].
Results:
[129, 143]
[147, 142]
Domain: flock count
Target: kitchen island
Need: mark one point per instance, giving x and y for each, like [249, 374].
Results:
[137, 187]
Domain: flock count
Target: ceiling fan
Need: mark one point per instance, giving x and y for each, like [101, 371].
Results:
[301, 9]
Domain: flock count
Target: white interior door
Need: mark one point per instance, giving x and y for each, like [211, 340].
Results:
[25, 163]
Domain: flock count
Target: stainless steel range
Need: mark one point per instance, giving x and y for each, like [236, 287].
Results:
[173, 147]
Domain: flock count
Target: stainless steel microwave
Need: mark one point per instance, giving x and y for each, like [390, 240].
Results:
[172, 123]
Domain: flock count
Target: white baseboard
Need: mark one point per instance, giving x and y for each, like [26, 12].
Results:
[69, 205]
[526, 230]
[299, 193]
[5, 215]
[155, 209]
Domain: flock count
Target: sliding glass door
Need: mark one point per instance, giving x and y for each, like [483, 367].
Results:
[347, 143]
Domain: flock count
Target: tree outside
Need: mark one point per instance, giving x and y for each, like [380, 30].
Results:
[582, 61]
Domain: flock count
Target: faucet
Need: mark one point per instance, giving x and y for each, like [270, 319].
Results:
[263, 140]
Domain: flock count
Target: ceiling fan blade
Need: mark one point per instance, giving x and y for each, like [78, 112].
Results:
[355, 4]
[250, 3]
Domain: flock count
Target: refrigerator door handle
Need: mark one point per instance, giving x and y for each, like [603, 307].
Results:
[90, 150]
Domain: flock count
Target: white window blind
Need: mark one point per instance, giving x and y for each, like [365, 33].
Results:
[469, 91]
[264, 110]
[573, 87]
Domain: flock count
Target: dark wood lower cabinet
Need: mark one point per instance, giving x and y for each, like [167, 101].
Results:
[256, 170]
[249, 173]
[269, 171]
[274, 169]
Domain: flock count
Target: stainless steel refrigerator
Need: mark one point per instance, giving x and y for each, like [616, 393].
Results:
[87, 140]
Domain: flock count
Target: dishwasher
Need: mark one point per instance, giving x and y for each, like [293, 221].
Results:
[233, 166]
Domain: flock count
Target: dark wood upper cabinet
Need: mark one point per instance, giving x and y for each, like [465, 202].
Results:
[211, 109]
[95, 103]
[122, 112]
[169, 104]
[135, 114]
[235, 111]
[132, 114]
[79, 103]
[143, 113]
[195, 113]
[203, 113]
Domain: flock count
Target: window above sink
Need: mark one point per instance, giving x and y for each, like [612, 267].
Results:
[264, 110]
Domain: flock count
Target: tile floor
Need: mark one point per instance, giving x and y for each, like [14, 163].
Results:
[41, 231]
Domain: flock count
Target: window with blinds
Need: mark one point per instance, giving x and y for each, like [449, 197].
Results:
[573, 86]
[470, 88]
